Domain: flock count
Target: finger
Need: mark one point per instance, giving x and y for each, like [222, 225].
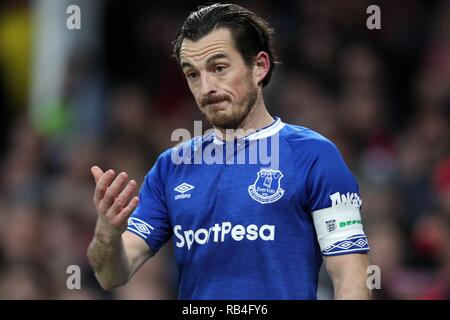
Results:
[114, 189]
[123, 198]
[102, 185]
[97, 173]
[126, 212]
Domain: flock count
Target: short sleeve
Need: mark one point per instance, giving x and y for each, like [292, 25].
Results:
[335, 202]
[150, 220]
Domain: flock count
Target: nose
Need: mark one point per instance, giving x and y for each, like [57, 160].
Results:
[207, 84]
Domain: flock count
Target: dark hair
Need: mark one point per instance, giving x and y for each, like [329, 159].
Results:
[251, 34]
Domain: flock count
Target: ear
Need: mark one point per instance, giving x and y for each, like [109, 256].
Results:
[261, 67]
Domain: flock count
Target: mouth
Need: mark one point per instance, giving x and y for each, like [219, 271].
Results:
[216, 106]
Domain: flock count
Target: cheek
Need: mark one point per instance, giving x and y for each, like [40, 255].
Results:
[242, 87]
[237, 87]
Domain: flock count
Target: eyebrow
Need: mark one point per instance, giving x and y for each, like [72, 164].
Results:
[210, 59]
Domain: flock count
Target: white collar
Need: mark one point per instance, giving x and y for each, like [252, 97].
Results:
[262, 133]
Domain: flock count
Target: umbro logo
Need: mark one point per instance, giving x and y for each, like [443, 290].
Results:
[139, 226]
[182, 189]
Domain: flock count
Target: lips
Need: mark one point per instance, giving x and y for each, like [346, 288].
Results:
[215, 105]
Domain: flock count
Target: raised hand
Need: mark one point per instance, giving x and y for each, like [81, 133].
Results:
[114, 201]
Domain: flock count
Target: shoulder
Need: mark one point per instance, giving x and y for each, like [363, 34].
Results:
[305, 141]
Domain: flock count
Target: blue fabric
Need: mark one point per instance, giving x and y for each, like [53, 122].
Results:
[244, 231]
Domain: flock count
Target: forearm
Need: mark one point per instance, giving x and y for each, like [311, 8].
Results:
[351, 287]
[107, 257]
[349, 276]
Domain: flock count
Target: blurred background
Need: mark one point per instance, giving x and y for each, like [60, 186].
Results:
[111, 94]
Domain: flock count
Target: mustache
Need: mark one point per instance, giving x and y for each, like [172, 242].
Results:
[213, 99]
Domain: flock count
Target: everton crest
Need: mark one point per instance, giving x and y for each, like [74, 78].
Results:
[267, 187]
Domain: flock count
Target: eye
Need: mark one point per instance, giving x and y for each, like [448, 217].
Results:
[219, 68]
[192, 75]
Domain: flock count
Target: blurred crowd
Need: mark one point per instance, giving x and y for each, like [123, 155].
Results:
[383, 96]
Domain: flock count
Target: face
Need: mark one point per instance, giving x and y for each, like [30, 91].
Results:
[224, 87]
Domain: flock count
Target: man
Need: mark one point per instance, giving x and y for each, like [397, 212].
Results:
[242, 231]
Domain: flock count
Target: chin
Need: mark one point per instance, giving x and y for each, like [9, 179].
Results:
[228, 116]
[224, 121]
[220, 119]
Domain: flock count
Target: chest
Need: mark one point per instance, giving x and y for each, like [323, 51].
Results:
[204, 195]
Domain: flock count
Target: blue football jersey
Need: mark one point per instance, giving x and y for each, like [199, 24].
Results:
[251, 218]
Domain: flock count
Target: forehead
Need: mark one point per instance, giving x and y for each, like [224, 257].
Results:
[217, 41]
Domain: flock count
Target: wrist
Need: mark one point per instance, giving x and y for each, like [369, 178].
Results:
[106, 233]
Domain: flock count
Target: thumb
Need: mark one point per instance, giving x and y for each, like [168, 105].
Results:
[97, 173]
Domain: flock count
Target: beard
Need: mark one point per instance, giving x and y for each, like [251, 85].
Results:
[232, 119]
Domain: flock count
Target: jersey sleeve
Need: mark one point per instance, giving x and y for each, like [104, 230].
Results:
[335, 202]
[150, 220]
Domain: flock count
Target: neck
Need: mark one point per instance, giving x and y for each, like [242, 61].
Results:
[256, 119]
